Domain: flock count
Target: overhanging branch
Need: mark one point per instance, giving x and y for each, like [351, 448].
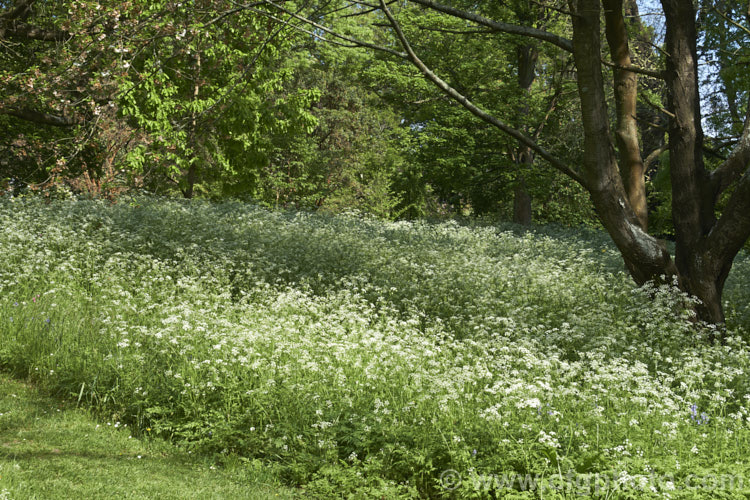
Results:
[29, 32]
[511, 29]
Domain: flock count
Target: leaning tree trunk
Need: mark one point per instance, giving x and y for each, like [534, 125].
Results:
[626, 102]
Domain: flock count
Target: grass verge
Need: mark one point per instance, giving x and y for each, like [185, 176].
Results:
[51, 449]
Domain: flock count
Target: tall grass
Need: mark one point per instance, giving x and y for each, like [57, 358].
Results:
[370, 357]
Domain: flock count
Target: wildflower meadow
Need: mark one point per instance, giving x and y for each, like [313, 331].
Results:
[360, 358]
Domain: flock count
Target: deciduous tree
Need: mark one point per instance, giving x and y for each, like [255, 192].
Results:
[612, 169]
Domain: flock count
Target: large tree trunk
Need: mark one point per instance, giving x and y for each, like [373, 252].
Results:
[705, 246]
[702, 268]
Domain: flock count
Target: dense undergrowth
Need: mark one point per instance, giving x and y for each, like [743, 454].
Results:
[366, 357]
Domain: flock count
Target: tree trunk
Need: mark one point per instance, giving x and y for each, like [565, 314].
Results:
[190, 177]
[521, 203]
[188, 192]
[705, 246]
[527, 57]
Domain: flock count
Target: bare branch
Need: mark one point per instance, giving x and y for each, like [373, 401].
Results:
[657, 107]
[553, 8]
[299, 28]
[732, 21]
[457, 32]
[511, 29]
[659, 75]
[653, 155]
[230, 12]
[475, 110]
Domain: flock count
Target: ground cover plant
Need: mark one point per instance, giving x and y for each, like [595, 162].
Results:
[366, 358]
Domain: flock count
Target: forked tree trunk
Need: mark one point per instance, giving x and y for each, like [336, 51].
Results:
[703, 266]
[705, 247]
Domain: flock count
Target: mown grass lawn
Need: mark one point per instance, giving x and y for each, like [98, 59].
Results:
[368, 359]
[52, 450]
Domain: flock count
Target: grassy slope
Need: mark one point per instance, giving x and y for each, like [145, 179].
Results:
[52, 450]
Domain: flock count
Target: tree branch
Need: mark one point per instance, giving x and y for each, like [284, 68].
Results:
[737, 162]
[325, 29]
[732, 21]
[475, 110]
[653, 155]
[733, 227]
[22, 11]
[657, 107]
[659, 75]
[29, 32]
[511, 29]
[457, 32]
[42, 118]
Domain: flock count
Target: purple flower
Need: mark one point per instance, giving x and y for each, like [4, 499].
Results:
[700, 420]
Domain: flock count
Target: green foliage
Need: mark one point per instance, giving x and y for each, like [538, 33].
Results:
[208, 99]
[466, 165]
[351, 158]
[725, 41]
[399, 349]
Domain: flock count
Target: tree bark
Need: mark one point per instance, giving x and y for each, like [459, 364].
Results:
[626, 101]
[521, 203]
